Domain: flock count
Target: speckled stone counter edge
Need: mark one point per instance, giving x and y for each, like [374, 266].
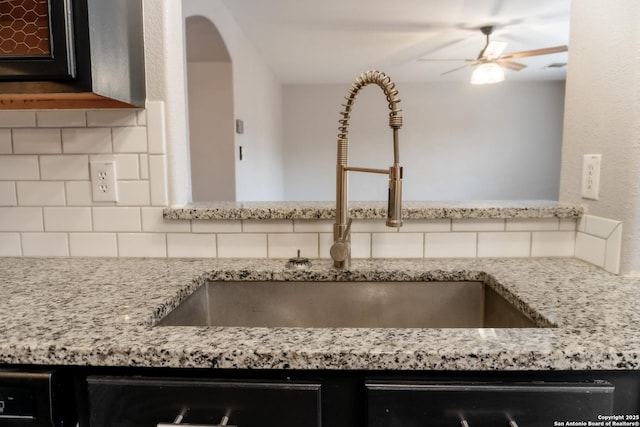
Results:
[98, 312]
[375, 210]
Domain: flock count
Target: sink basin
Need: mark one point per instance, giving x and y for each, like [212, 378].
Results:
[347, 305]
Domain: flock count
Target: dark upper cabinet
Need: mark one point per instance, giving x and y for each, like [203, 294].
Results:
[36, 40]
[71, 54]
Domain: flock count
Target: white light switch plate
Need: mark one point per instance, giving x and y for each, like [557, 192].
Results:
[591, 176]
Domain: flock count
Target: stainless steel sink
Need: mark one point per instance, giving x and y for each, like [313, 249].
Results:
[347, 305]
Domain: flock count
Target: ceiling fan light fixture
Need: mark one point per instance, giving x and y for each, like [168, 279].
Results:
[487, 73]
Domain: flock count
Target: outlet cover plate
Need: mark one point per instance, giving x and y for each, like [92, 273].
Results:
[104, 181]
[591, 176]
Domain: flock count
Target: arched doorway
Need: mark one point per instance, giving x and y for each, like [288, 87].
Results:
[210, 112]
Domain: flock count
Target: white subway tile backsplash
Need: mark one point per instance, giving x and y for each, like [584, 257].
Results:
[109, 118]
[600, 227]
[40, 193]
[152, 221]
[13, 167]
[397, 245]
[553, 243]
[426, 225]
[93, 244]
[590, 248]
[186, 245]
[67, 219]
[245, 245]
[5, 141]
[116, 219]
[61, 118]
[313, 225]
[46, 206]
[64, 167]
[130, 140]
[17, 119]
[133, 193]
[504, 244]
[582, 224]
[267, 226]
[141, 117]
[450, 245]
[599, 241]
[360, 246]
[45, 244]
[613, 248]
[142, 245]
[158, 180]
[21, 219]
[156, 127]
[286, 245]
[143, 160]
[86, 140]
[528, 224]
[128, 166]
[10, 244]
[216, 226]
[37, 141]
[78, 193]
[488, 224]
[568, 224]
[371, 226]
[326, 240]
[8, 193]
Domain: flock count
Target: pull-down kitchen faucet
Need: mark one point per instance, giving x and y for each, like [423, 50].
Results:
[341, 248]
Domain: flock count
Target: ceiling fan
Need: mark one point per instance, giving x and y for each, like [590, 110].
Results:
[490, 58]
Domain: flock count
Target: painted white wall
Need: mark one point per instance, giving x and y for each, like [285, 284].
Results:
[210, 90]
[603, 114]
[166, 82]
[258, 102]
[211, 131]
[458, 142]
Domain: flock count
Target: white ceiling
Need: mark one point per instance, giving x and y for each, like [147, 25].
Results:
[333, 41]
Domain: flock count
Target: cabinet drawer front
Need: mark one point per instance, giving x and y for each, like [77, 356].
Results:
[145, 402]
[409, 404]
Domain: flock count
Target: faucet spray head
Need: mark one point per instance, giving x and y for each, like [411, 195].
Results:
[394, 205]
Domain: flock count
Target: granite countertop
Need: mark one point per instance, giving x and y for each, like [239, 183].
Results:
[100, 312]
[374, 210]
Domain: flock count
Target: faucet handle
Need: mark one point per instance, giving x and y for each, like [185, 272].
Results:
[340, 250]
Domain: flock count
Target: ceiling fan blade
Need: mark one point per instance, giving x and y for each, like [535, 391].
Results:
[447, 60]
[535, 52]
[515, 66]
[456, 69]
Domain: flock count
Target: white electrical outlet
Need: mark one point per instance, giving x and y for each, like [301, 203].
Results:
[591, 176]
[103, 181]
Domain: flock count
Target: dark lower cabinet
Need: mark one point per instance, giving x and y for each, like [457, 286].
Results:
[142, 402]
[547, 403]
[163, 397]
